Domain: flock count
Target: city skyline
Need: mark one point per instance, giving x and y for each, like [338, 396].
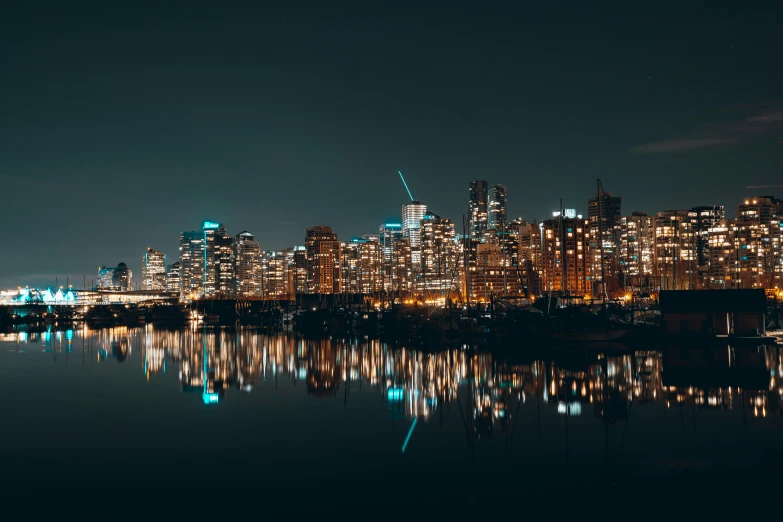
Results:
[122, 118]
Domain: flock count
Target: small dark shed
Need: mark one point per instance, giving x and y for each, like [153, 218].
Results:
[713, 312]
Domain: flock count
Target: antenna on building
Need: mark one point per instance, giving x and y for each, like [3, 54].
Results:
[406, 185]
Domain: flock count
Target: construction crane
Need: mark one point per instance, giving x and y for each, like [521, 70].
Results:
[406, 185]
[763, 186]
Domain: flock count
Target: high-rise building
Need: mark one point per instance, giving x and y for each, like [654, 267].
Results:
[604, 213]
[498, 214]
[219, 279]
[191, 260]
[412, 214]
[173, 280]
[478, 210]
[723, 260]
[676, 267]
[323, 261]
[247, 265]
[566, 260]
[300, 270]
[759, 241]
[492, 276]
[122, 278]
[702, 219]
[105, 276]
[390, 233]
[440, 269]
[637, 254]
[153, 271]
[277, 274]
[361, 266]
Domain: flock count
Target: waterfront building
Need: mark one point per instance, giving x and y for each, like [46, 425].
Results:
[277, 274]
[122, 278]
[759, 242]
[440, 268]
[173, 279]
[191, 259]
[401, 277]
[498, 214]
[219, 279]
[566, 258]
[323, 261]
[390, 233]
[676, 266]
[412, 214]
[604, 214]
[478, 211]
[702, 219]
[247, 265]
[361, 266]
[723, 263]
[153, 271]
[637, 253]
[493, 276]
[105, 278]
[300, 270]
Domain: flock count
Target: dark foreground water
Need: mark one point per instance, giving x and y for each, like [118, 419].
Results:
[143, 424]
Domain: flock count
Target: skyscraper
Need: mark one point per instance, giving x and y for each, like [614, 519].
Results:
[439, 258]
[323, 261]
[478, 208]
[218, 261]
[498, 215]
[191, 260]
[390, 233]
[153, 271]
[122, 278]
[247, 265]
[412, 214]
[566, 255]
[173, 282]
[605, 230]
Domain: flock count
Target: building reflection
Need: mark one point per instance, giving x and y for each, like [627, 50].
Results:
[417, 384]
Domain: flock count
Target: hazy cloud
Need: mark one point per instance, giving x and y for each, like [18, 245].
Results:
[759, 123]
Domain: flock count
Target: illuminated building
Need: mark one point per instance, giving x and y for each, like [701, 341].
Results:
[300, 270]
[608, 208]
[702, 219]
[412, 214]
[565, 260]
[173, 281]
[758, 237]
[153, 271]
[675, 251]
[723, 261]
[247, 265]
[478, 210]
[493, 276]
[105, 276]
[528, 253]
[400, 279]
[323, 261]
[361, 266]
[390, 233]
[636, 249]
[277, 274]
[122, 278]
[498, 215]
[218, 261]
[440, 269]
[191, 259]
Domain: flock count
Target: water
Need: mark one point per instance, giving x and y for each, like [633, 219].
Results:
[133, 422]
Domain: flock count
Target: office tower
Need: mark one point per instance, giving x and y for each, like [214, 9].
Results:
[440, 271]
[300, 270]
[566, 259]
[173, 279]
[702, 219]
[122, 278]
[498, 215]
[247, 265]
[389, 234]
[361, 266]
[478, 210]
[675, 251]
[191, 260]
[219, 279]
[323, 261]
[153, 271]
[412, 214]
[759, 238]
[105, 276]
[607, 228]
[277, 274]
[637, 253]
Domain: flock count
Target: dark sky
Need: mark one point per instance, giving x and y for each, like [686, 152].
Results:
[121, 125]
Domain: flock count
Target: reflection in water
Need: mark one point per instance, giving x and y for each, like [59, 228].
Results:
[416, 384]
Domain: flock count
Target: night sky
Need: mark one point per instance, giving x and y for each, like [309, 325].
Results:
[121, 126]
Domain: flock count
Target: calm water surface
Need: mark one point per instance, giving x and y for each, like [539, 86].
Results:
[176, 424]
